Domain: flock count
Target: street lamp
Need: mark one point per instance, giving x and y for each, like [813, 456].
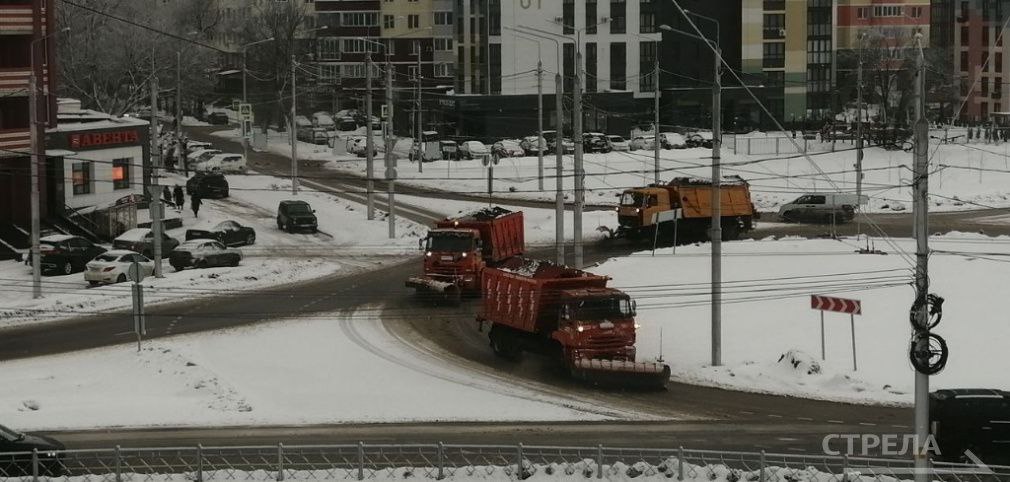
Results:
[715, 233]
[245, 100]
[33, 159]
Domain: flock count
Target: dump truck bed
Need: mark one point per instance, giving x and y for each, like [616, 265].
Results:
[695, 198]
[526, 297]
[501, 231]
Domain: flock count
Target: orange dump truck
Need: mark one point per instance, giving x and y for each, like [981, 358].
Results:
[458, 249]
[641, 207]
[570, 315]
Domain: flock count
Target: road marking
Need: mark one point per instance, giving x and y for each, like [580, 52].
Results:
[796, 449]
[835, 421]
[805, 419]
[746, 412]
[787, 439]
[772, 415]
[900, 426]
[867, 424]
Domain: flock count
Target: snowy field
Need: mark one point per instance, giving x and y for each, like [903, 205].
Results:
[224, 378]
[767, 314]
[347, 243]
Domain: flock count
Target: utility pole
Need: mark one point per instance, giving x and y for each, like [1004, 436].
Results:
[580, 195]
[34, 159]
[716, 231]
[294, 137]
[390, 160]
[859, 130]
[180, 155]
[540, 125]
[559, 193]
[155, 205]
[655, 107]
[920, 211]
[417, 111]
[369, 142]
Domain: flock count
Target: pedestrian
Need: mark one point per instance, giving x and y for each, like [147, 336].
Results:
[194, 204]
[166, 195]
[180, 198]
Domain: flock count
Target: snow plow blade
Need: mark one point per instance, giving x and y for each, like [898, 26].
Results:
[435, 290]
[617, 373]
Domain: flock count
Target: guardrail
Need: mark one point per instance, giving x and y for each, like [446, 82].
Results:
[462, 462]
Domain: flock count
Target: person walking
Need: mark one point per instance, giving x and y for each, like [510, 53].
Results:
[166, 196]
[194, 204]
[180, 198]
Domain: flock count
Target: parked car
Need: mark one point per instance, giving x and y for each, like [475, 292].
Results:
[699, 139]
[114, 267]
[49, 456]
[567, 146]
[672, 140]
[202, 154]
[346, 124]
[65, 254]
[450, 150]
[358, 145]
[473, 150]
[193, 146]
[203, 253]
[217, 118]
[315, 135]
[141, 240]
[324, 120]
[209, 185]
[531, 144]
[646, 142]
[595, 142]
[229, 233]
[227, 162]
[508, 148]
[296, 215]
[617, 143]
[821, 207]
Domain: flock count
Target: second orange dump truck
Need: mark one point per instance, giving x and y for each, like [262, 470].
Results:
[641, 207]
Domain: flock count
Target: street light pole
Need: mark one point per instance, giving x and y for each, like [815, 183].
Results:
[655, 107]
[294, 138]
[580, 194]
[389, 140]
[245, 92]
[369, 142]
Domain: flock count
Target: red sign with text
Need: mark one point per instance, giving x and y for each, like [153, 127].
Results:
[94, 140]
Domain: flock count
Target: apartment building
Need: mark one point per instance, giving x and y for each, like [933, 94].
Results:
[24, 24]
[804, 48]
[968, 33]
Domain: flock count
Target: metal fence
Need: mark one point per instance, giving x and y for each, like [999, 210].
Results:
[461, 462]
[779, 145]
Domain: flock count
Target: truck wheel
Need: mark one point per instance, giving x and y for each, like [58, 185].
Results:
[731, 230]
[503, 345]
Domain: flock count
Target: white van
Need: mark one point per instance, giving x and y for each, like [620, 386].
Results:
[228, 163]
[823, 207]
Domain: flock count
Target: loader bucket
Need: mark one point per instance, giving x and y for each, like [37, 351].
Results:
[436, 291]
[622, 374]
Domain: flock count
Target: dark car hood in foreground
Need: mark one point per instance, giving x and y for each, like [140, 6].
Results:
[40, 442]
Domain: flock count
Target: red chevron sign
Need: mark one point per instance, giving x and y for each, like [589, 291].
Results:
[839, 305]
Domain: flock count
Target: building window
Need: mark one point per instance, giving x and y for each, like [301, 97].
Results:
[647, 22]
[985, 61]
[618, 16]
[329, 48]
[618, 66]
[360, 19]
[494, 18]
[82, 177]
[568, 64]
[985, 36]
[568, 17]
[590, 67]
[443, 18]
[388, 21]
[774, 55]
[916, 12]
[774, 5]
[443, 70]
[887, 11]
[591, 19]
[999, 62]
[121, 173]
[412, 73]
[985, 85]
[775, 78]
[329, 72]
[774, 25]
[358, 46]
[413, 21]
[646, 67]
[443, 44]
[964, 61]
[965, 36]
[494, 58]
[863, 12]
[997, 89]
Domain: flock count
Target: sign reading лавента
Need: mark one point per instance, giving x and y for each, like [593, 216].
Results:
[97, 140]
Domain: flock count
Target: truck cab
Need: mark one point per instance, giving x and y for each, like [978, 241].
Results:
[639, 205]
[597, 323]
[453, 255]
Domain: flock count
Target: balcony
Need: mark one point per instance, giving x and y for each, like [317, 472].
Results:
[16, 18]
[14, 140]
[14, 81]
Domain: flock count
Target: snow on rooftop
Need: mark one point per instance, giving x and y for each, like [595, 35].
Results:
[56, 238]
[135, 234]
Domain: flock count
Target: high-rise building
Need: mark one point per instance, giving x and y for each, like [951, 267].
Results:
[803, 48]
[24, 23]
[968, 34]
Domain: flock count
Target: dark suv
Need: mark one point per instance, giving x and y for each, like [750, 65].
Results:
[64, 254]
[18, 462]
[207, 185]
[296, 215]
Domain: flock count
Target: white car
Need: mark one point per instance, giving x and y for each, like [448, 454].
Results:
[357, 145]
[643, 142]
[114, 267]
[508, 148]
[202, 154]
[617, 143]
[228, 163]
[193, 146]
[473, 150]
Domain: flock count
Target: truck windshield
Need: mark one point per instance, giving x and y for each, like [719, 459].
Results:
[601, 309]
[449, 243]
[632, 198]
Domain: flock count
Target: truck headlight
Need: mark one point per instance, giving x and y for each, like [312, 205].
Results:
[637, 326]
[464, 255]
[638, 210]
[580, 329]
[428, 254]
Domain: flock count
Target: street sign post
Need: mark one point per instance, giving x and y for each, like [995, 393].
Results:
[838, 305]
[245, 120]
[662, 217]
